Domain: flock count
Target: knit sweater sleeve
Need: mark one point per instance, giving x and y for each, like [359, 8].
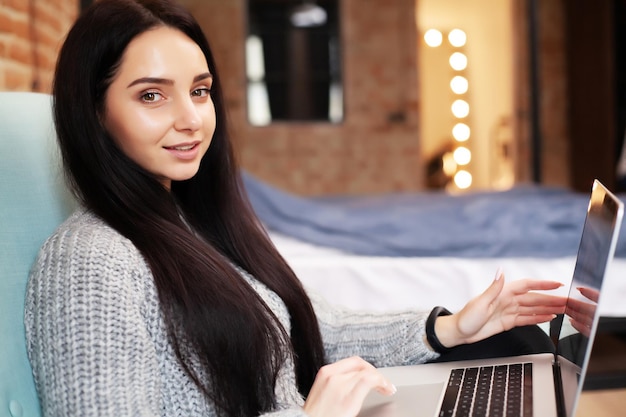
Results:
[87, 340]
[383, 339]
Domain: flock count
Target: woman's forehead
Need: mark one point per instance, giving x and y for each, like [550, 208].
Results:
[162, 52]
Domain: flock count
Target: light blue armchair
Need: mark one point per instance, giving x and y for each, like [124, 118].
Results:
[34, 200]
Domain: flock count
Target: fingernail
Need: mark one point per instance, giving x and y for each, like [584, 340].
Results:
[387, 388]
[498, 274]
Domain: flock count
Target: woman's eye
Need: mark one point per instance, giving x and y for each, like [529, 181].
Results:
[201, 92]
[150, 97]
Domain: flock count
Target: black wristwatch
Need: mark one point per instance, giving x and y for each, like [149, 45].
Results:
[431, 336]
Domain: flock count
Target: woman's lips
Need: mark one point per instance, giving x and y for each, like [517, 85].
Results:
[185, 151]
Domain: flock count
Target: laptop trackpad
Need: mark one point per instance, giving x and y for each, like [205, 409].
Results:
[409, 401]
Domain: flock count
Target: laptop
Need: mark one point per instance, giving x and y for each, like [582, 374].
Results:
[539, 385]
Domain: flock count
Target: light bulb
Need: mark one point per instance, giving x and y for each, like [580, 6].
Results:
[449, 166]
[457, 38]
[460, 108]
[461, 132]
[459, 85]
[463, 179]
[458, 61]
[462, 155]
[433, 38]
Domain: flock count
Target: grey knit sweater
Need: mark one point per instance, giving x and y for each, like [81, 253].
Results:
[98, 346]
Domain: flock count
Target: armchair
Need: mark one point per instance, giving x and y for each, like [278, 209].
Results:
[34, 201]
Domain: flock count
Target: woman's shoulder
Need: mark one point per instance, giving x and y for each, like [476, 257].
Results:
[85, 241]
[85, 231]
[92, 258]
[85, 221]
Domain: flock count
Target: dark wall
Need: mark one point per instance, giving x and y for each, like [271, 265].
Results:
[593, 90]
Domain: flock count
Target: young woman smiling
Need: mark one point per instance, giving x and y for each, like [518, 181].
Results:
[162, 295]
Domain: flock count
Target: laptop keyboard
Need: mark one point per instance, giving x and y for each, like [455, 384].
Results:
[486, 391]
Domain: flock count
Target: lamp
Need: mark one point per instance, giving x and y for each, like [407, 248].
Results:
[308, 14]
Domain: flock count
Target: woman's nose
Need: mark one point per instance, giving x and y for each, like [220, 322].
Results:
[187, 117]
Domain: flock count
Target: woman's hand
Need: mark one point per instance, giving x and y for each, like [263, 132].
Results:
[581, 312]
[340, 388]
[499, 308]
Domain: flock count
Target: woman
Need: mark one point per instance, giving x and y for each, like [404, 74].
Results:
[162, 295]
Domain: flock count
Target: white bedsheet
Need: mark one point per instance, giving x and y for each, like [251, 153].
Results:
[391, 283]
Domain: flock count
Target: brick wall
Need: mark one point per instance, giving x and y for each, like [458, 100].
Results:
[371, 151]
[31, 32]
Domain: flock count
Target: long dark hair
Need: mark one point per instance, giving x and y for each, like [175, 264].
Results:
[213, 316]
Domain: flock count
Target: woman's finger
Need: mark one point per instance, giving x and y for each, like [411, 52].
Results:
[522, 286]
[351, 364]
[584, 328]
[581, 307]
[531, 299]
[357, 370]
[590, 293]
[340, 388]
[366, 380]
[492, 292]
[529, 311]
[532, 319]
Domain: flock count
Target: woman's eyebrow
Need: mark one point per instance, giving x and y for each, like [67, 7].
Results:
[202, 76]
[151, 80]
[165, 81]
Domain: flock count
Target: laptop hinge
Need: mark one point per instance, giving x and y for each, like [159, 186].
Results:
[558, 389]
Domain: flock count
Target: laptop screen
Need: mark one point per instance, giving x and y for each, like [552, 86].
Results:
[578, 324]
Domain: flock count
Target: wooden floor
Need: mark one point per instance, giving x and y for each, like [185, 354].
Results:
[608, 403]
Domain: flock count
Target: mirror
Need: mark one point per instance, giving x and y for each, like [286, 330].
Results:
[293, 61]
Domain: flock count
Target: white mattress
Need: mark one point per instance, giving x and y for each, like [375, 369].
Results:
[392, 283]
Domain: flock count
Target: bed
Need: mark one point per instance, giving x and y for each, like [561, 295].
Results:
[430, 248]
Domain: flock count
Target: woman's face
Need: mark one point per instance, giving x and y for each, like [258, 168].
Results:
[158, 108]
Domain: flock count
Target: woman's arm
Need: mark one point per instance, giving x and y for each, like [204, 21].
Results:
[88, 341]
[399, 338]
[383, 339]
